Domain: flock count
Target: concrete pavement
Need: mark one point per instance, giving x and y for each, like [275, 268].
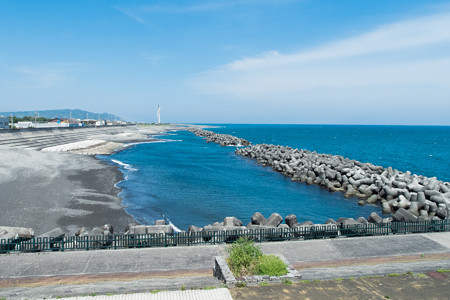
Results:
[134, 270]
[213, 294]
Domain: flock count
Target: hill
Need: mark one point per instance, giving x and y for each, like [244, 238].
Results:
[63, 113]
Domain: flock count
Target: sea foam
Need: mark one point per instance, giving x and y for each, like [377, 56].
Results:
[124, 165]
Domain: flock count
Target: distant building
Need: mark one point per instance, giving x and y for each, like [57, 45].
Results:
[51, 125]
[24, 125]
[58, 121]
[88, 122]
[4, 123]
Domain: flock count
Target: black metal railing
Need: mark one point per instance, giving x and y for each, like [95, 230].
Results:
[126, 241]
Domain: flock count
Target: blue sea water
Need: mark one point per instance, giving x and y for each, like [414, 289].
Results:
[188, 181]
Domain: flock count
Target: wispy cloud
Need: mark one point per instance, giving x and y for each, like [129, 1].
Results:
[131, 13]
[139, 13]
[411, 51]
[397, 36]
[154, 59]
[43, 76]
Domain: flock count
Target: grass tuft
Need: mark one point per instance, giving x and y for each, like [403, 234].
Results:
[304, 281]
[243, 256]
[442, 270]
[247, 259]
[271, 265]
[408, 273]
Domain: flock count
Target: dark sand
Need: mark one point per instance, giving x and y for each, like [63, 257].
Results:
[70, 191]
[45, 190]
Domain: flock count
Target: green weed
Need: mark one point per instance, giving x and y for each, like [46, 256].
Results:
[286, 281]
[247, 259]
[243, 256]
[304, 281]
[271, 265]
[442, 270]
[408, 273]
[264, 283]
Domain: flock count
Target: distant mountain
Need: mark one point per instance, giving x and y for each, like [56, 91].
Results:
[63, 113]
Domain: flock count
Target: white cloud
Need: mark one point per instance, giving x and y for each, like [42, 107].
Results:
[407, 52]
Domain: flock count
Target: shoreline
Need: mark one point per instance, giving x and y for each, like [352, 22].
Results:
[47, 190]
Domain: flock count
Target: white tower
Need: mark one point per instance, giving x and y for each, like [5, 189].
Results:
[158, 114]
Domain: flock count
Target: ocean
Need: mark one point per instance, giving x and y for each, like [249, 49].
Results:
[187, 181]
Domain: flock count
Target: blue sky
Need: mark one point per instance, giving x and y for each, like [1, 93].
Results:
[236, 61]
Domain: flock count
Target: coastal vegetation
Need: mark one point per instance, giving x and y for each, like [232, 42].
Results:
[30, 119]
[245, 258]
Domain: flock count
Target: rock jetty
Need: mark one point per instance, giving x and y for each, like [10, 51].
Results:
[424, 197]
[221, 139]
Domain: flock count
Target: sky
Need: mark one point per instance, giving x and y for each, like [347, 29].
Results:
[235, 61]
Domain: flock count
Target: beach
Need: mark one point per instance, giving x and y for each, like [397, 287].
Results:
[70, 189]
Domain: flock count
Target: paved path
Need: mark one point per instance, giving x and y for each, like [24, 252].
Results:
[214, 294]
[136, 270]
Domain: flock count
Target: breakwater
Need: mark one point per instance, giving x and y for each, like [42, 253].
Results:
[423, 197]
[221, 139]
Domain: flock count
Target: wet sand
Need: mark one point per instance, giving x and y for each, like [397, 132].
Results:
[45, 190]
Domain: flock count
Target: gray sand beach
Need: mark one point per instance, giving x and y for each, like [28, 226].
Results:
[48, 189]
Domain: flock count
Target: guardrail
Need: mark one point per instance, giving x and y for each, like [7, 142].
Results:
[126, 241]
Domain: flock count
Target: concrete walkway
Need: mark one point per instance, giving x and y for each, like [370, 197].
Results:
[214, 294]
[137, 270]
